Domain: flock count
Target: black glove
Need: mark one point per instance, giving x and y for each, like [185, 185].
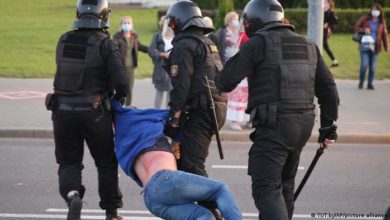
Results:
[327, 133]
[171, 128]
[121, 98]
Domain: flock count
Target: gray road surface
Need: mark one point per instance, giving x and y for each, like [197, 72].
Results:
[349, 179]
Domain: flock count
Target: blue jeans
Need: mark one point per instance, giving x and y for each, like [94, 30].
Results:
[172, 195]
[368, 59]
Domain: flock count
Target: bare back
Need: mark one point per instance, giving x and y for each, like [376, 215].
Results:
[150, 162]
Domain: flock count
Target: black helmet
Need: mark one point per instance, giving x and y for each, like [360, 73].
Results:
[258, 13]
[184, 14]
[92, 14]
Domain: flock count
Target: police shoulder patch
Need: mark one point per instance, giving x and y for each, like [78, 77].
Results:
[174, 70]
[214, 48]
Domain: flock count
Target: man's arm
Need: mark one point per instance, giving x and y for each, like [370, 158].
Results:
[181, 70]
[116, 68]
[326, 92]
[241, 65]
[328, 99]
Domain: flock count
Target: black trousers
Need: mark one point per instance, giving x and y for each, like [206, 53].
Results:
[71, 129]
[273, 163]
[326, 46]
[197, 134]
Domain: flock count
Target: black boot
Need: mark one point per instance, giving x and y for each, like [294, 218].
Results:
[75, 204]
[113, 215]
[370, 87]
[360, 86]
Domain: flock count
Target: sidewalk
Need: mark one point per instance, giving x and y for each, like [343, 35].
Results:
[363, 114]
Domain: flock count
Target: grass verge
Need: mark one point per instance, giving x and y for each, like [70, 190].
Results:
[30, 30]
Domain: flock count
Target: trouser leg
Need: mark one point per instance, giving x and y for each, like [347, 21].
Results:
[171, 196]
[273, 163]
[327, 48]
[373, 58]
[99, 137]
[364, 59]
[131, 74]
[288, 176]
[265, 166]
[69, 152]
[158, 99]
[194, 147]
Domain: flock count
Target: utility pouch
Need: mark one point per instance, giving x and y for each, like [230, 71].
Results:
[264, 115]
[50, 101]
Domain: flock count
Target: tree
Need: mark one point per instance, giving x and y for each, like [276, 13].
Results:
[224, 7]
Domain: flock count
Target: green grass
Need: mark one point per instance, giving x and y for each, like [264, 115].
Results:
[346, 52]
[29, 30]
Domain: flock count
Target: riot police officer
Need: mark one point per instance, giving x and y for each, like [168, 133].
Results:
[193, 57]
[89, 71]
[285, 71]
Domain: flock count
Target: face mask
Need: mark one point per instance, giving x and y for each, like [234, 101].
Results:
[235, 23]
[375, 13]
[127, 27]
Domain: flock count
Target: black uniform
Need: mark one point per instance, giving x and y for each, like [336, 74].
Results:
[284, 73]
[89, 69]
[193, 57]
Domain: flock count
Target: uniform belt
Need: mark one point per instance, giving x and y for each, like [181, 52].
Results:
[78, 106]
[79, 99]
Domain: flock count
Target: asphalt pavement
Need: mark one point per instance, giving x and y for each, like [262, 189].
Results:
[348, 180]
[363, 114]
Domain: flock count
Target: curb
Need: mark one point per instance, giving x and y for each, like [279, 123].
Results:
[225, 136]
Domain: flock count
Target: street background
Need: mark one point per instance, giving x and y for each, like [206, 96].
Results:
[351, 178]
[363, 114]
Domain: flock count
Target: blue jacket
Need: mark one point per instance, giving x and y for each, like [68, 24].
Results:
[135, 131]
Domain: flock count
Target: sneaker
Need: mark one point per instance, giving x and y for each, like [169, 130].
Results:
[75, 204]
[113, 217]
[235, 126]
[360, 86]
[370, 87]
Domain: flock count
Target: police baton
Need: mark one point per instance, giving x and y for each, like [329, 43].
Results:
[319, 152]
[214, 115]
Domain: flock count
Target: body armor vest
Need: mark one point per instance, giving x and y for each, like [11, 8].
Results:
[209, 67]
[286, 76]
[80, 67]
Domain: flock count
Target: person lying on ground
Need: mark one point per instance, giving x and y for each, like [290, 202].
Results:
[144, 153]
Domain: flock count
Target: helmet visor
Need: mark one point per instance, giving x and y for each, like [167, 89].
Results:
[241, 27]
[166, 29]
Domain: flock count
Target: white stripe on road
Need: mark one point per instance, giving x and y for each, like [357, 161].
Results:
[239, 167]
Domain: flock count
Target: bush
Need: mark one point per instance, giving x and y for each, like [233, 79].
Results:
[360, 3]
[240, 4]
[207, 4]
[346, 18]
[224, 7]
